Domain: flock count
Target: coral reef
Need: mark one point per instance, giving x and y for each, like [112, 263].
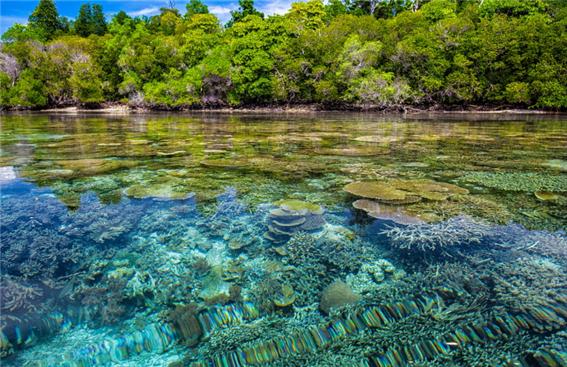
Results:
[441, 237]
[99, 264]
[101, 223]
[32, 246]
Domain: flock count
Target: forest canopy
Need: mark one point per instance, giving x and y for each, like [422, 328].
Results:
[340, 54]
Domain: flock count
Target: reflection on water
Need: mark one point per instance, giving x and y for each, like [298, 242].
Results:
[336, 240]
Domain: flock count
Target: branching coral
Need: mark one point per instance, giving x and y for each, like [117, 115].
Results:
[101, 223]
[19, 298]
[516, 237]
[438, 237]
[528, 282]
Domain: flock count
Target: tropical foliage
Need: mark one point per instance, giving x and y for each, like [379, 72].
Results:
[361, 53]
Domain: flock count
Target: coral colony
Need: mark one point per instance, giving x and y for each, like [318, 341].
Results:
[215, 259]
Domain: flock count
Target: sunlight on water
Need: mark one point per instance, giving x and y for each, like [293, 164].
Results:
[316, 240]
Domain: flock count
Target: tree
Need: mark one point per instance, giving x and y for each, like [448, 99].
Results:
[308, 14]
[431, 52]
[83, 24]
[45, 19]
[20, 33]
[245, 8]
[99, 26]
[121, 17]
[335, 8]
[90, 21]
[85, 83]
[196, 7]
[512, 7]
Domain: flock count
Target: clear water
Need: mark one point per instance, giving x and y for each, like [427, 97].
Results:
[233, 240]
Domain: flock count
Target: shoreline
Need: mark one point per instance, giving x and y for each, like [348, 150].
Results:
[124, 109]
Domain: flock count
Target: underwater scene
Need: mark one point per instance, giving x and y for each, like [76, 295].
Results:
[328, 239]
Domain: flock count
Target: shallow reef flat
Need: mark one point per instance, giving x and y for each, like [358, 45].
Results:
[332, 240]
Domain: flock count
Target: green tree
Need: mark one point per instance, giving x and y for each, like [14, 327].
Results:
[245, 8]
[83, 24]
[121, 17]
[20, 33]
[45, 19]
[196, 7]
[28, 92]
[99, 26]
[90, 21]
[512, 7]
[334, 8]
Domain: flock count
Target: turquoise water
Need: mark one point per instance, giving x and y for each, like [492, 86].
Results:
[286, 240]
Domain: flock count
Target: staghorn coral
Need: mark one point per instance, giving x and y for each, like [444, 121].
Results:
[438, 237]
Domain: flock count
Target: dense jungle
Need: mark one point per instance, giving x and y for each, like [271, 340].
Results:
[359, 54]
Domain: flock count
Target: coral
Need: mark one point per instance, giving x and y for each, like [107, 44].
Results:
[19, 298]
[299, 206]
[518, 181]
[438, 237]
[286, 296]
[335, 255]
[514, 236]
[547, 196]
[557, 164]
[381, 191]
[184, 317]
[385, 212]
[33, 246]
[228, 204]
[362, 283]
[403, 191]
[371, 274]
[526, 283]
[102, 223]
[215, 289]
[376, 139]
[336, 295]
[163, 191]
[293, 216]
